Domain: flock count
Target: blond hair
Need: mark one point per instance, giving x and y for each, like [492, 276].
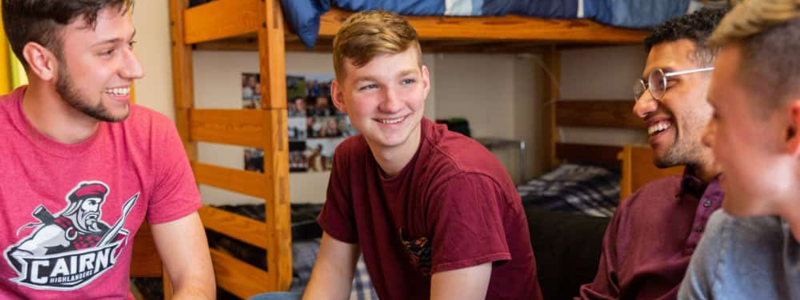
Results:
[767, 33]
[366, 35]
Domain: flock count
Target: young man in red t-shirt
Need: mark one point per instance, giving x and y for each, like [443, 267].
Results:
[83, 168]
[433, 212]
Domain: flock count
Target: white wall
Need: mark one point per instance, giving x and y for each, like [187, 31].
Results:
[151, 19]
[496, 94]
[601, 74]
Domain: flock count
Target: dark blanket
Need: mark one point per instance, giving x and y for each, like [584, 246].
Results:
[567, 247]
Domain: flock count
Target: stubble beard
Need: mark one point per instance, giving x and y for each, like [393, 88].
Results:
[73, 98]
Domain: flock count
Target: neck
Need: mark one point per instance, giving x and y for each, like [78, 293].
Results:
[392, 160]
[706, 170]
[44, 108]
[791, 213]
[706, 174]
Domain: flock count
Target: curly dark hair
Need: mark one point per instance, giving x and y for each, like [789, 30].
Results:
[696, 27]
[40, 21]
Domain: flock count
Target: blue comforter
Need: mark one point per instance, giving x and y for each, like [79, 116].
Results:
[303, 15]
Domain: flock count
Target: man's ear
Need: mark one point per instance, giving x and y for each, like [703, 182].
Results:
[337, 95]
[426, 80]
[792, 136]
[42, 63]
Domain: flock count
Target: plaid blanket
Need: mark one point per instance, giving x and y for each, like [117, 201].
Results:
[304, 254]
[582, 189]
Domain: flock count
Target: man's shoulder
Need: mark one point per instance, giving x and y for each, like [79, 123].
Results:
[354, 146]
[140, 115]
[460, 154]
[667, 187]
[750, 231]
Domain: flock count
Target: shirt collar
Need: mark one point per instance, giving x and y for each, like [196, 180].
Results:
[694, 186]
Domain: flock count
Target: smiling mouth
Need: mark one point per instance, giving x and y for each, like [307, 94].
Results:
[119, 92]
[391, 121]
[658, 127]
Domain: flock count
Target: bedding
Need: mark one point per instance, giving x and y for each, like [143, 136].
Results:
[303, 16]
[582, 189]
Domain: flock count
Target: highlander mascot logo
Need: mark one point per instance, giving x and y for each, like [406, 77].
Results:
[70, 249]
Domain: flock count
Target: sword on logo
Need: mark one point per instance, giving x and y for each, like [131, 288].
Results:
[112, 232]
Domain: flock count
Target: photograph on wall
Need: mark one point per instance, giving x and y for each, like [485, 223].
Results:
[315, 127]
[319, 153]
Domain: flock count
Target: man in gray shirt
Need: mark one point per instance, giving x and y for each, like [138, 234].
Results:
[750, 249]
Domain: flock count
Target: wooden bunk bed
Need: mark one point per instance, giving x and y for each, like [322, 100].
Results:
[258, 25]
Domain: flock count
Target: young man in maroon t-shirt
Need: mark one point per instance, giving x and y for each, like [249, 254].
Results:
[433, 212]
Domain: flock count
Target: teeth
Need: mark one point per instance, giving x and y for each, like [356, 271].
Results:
[119, 91]
[659, 127]
[392, 121]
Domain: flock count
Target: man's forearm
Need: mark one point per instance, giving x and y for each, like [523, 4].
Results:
[195, 290]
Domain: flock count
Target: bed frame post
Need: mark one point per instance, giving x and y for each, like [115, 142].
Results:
[272, 61]
[182, 81]
[550, 93]
[183, 92]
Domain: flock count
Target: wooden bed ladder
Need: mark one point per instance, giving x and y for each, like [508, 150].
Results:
[263, 128]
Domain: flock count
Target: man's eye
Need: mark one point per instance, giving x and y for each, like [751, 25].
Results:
[368, 87]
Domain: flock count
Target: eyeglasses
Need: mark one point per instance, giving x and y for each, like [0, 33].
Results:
[657, 82]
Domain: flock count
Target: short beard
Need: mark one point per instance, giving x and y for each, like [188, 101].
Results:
[70, 94]
[681, 153]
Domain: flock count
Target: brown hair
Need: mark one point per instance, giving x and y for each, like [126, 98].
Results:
[41, 21]
[768, 35]
[366, 35]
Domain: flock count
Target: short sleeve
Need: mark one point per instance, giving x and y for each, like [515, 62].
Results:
[175, 193]
[465, 218]
[337, 216]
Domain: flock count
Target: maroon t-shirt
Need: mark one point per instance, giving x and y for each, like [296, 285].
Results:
[453, 206]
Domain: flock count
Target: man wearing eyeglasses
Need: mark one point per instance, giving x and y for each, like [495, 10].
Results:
[649, 242]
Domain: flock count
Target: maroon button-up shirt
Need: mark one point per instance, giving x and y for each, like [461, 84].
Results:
[650, 240]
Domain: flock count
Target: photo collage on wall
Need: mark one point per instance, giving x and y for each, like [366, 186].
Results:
[315, 126]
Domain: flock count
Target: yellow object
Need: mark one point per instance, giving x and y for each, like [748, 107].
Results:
[5, 63]
[12, 74]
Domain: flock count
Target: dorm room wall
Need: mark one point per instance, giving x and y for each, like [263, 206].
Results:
[486, 89]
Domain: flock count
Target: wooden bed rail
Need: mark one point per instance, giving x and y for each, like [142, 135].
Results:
[237, 277]
[597, 114]
[233, 225]
[248, 128]
[221, 19]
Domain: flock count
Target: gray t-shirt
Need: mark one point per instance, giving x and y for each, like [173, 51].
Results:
[744, 258]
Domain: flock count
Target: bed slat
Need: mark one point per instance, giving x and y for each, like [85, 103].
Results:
[237, 277]
[220, 19]
[240, 181]
[597, 113]
[241, 228]
[501, 28]
[590, 154]
[231, 126]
